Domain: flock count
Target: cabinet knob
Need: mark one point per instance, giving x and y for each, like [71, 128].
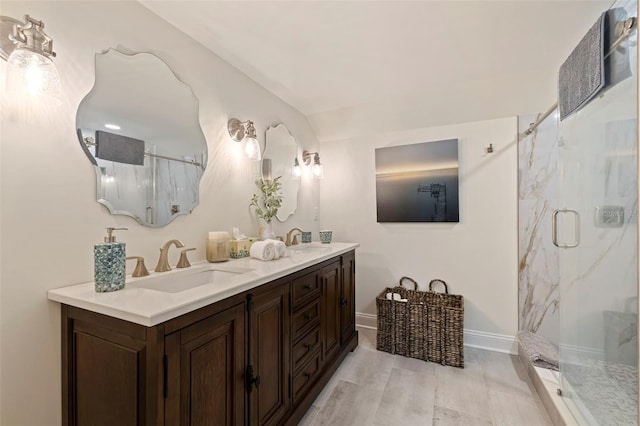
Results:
[307, 287]
[308, 317]
[343, 301]
[308, 346]
[307, 375]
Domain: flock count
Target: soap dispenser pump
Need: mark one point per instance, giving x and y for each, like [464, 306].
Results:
[110, 263]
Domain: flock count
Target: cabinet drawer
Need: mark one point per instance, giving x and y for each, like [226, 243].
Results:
[304, 289]
[306, 319]
[303, 350]
[306, 376]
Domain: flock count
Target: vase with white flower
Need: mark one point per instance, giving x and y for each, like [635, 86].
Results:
[267, 205]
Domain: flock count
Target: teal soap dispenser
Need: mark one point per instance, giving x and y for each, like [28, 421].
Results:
[110, 263]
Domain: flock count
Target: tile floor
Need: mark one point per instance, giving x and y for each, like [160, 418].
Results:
[377, 388]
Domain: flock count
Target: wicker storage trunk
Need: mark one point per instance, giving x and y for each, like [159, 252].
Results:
[428, 326]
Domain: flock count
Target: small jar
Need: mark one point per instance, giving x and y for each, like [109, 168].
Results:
[218, 247]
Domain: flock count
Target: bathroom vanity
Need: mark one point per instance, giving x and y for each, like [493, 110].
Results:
[250, 347]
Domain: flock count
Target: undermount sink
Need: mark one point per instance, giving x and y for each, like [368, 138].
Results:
[176, 283]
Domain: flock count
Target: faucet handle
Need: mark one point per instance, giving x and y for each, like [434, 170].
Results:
[184, 261]
[140, 270]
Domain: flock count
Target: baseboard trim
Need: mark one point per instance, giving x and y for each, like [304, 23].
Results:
[491, 341]
[369, 321]
[472, 338]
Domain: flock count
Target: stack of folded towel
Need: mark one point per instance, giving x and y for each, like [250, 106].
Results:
[268, 250]
[395, 296]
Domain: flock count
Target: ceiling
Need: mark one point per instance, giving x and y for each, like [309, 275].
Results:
[357, 66]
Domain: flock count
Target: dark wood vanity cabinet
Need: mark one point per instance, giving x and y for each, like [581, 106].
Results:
[330, 278]
[269, 355]
[110, 370]
[348, 298]
[257, 358]
[205, 364]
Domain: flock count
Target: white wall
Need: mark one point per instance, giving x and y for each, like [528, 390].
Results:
[476, 257]
[49, 216]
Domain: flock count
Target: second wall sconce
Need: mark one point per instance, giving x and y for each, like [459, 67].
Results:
[245, 132]
[296, 170]
[316, 169]
[28, 51]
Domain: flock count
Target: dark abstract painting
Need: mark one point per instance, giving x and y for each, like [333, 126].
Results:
[418, 182]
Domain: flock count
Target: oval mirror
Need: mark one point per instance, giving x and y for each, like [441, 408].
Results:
[280, 154]
[139, 126]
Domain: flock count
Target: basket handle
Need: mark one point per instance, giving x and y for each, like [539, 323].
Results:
[415, 284]
[446, 288]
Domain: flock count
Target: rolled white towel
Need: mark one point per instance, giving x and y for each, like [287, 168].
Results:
[281, 248]
[263, 250]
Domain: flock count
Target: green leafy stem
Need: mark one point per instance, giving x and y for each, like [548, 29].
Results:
[268, 204]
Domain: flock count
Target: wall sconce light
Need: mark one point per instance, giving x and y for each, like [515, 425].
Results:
[28, 51]
[296, 170]
[316, 169]
[243, 131]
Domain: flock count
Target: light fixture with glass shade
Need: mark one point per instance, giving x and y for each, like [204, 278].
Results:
[32, 77]
[317, 170]
[296, 170]
[245, 132]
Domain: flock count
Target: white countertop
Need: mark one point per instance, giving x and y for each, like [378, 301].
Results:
[151, 307]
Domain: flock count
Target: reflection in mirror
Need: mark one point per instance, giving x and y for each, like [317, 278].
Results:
[140, 128]
[280, 154]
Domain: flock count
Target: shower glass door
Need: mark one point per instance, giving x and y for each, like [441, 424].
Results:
[598, 227]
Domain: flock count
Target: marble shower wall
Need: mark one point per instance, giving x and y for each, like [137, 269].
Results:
[538, 269]
[155, 191]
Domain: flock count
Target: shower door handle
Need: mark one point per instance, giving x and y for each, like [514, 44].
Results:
[554, 228]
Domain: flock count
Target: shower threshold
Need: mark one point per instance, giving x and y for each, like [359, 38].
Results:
[546, 383]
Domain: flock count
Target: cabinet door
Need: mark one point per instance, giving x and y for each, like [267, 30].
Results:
[348, 297]
[205, 371]
[269, 316]
[330, 310]
[109, 378]
[109, 374]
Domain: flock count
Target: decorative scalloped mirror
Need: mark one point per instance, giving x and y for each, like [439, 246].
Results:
[280, 154]
[139, 126]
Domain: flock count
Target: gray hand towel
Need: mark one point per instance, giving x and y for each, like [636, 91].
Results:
[582, 75]
[121, 149]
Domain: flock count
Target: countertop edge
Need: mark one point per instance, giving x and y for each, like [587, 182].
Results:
[61, 295]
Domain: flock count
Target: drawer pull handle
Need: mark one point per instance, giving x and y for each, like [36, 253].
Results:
[307, 287]
[307, 375]
[308, 317]
[308, 346]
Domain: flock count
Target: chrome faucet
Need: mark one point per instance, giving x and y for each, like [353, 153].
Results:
[163, 262]
[289, 242]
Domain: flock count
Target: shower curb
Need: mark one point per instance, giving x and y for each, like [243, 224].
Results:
[543, 392]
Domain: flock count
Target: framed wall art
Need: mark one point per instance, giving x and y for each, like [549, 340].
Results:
[418, 182]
